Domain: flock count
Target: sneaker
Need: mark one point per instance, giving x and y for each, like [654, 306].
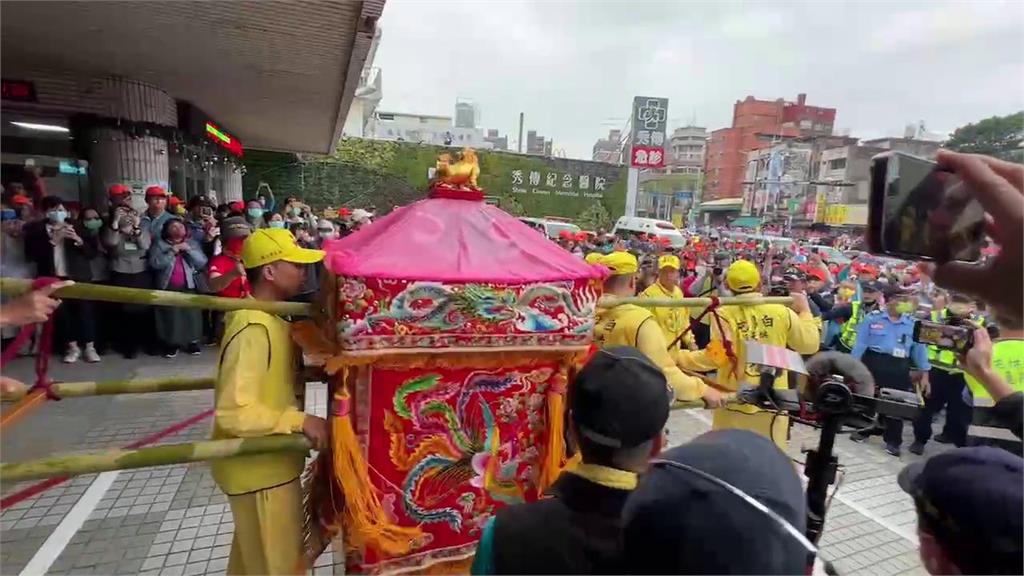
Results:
[943, 439]
[73, 354]
[131, 354]
[892, 450]
[193, 349]
[916, 448]
[171, 353]
[858, 437]
[90, 353]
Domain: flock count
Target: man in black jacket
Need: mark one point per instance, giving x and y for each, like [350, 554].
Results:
[617, 409]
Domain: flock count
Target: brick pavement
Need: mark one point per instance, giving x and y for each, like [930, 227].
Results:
[173, 520]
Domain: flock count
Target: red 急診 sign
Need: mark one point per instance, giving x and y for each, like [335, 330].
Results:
[647, 157]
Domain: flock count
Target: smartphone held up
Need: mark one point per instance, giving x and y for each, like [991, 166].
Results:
[919, 212]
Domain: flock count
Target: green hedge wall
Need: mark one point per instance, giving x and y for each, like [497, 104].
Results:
[383, 173]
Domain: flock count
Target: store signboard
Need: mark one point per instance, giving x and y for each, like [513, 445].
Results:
[223, 139]
[200, 125]
[650, 120]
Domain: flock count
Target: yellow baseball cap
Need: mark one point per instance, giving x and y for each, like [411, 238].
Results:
[593, 258]
[668, 261]
[742, 276]
[619, 263]
[268, 245]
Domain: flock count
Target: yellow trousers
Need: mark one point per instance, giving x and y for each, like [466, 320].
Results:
[768, 424]
[268, 531]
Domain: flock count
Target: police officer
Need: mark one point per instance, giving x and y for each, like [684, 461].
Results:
[673, 321]
[631, 325]
[886, 345]
[851, 314]
[946, 381]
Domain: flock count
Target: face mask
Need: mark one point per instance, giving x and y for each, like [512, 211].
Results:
[326, 234]
[903, 307]
[57, 216]
[296, 211]
[254, 212]
[276, 224]
[7, 214]
[93, 224]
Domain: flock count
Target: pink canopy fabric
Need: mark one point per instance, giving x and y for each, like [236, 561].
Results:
[453, 240]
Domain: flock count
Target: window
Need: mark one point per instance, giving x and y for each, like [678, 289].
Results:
[837, 163]
[385, 116]
[805, 124]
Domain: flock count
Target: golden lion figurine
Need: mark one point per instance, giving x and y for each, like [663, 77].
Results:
[462, 173]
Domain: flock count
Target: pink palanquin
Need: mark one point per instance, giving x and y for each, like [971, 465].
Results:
[457, 326]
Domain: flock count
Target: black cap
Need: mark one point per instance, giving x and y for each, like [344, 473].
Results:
[677, 522]
[620, 399]
[873, 286]
[891, 291]
[970, 500]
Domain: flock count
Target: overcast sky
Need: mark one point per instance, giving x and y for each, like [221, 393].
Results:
[574, 67]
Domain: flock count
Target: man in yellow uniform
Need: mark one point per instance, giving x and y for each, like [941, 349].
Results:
[673, 321]
[255, 396]
[631, 325]
[771, 324]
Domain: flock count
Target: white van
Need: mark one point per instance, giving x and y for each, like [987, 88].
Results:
[551, 227]
[652, 227]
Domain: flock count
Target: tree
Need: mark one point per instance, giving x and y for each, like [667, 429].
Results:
[595, 217]
[998, 136]
[512, 206]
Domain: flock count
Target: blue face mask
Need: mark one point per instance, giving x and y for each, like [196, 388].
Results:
[57, 216]
[254, 212]
[7, 214]
[276, 224]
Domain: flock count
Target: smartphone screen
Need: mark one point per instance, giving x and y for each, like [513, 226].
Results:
[927, 213]
[956, 338]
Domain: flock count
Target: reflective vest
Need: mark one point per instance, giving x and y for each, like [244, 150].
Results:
[1008, 362]
[945, 360]
[848, 335]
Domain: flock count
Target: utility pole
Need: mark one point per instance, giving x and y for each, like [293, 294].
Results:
[519, 145]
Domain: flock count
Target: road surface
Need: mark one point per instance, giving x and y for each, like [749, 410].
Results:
[173, 521]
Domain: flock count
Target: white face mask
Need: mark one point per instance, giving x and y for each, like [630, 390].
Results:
[326, 233]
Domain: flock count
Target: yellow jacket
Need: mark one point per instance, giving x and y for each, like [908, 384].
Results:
[255, 396]
[772, 324]
[673, 321]
[631, 325]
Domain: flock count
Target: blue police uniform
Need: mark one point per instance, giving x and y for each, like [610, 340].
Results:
[887, 348]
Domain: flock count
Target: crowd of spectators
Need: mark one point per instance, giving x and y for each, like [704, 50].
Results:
[191, 246]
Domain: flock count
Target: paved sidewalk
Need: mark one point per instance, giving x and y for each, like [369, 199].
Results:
[173, 521]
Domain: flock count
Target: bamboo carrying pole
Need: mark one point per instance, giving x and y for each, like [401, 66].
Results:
[84, 291]
[106, 388]
[610, 301]
[91, 462]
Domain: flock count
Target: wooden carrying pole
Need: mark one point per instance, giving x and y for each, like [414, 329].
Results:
[104, 461]
[106, 388]
[84, 291]
[611, 301]
[92, 462]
